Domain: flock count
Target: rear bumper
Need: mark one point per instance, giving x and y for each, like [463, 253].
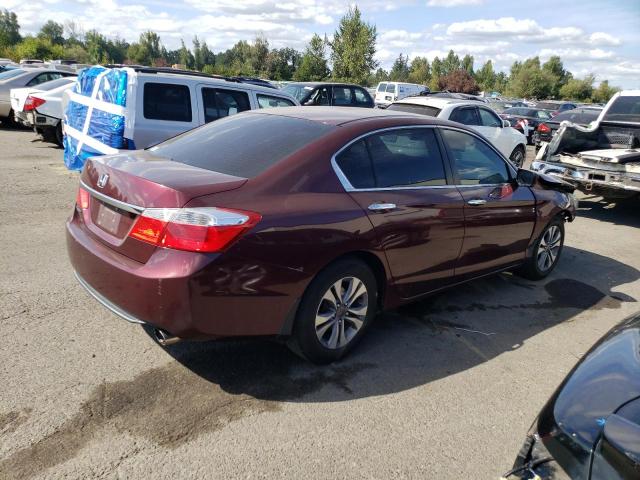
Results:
[587, 179]
[190, 295]
[40, 120]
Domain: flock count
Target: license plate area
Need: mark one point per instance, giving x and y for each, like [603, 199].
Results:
[110, 219]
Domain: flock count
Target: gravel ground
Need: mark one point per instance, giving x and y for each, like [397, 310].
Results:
[445, 388]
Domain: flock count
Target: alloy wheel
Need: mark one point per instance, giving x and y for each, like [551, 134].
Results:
[341, 313]
[517, 158]
[549, 248]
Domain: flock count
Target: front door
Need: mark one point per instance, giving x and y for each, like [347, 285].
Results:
[399, 178]
[499, 215]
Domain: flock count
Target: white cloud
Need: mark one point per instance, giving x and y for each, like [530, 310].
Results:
[602, 39]
[453, 3]
[581, 54]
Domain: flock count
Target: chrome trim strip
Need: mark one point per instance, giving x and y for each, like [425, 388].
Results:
[110, 306]
[112, 201]
[350, 188]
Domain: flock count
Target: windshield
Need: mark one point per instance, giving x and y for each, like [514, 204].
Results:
[11, 73]
[624, 109]
[224, 146]
[297, 91]
[391, 88]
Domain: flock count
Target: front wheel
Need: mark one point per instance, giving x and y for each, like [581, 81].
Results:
[546, 252]
[335, 310]
[517, 156]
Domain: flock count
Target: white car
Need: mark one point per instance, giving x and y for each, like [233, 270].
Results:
[19, 96]
[389, 92]
[477, 115]
[47, 113]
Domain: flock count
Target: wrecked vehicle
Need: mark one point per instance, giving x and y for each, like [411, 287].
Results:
[603, 158]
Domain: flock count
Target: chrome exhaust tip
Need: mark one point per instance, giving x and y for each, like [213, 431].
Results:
[164, 338]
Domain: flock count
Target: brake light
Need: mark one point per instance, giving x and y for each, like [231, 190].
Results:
[543, 128]
[193, 229]
[82, 199]
[31, 103]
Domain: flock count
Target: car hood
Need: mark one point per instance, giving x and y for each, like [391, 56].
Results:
[604, 380]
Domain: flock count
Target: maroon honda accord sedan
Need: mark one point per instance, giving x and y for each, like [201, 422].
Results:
[302, 222]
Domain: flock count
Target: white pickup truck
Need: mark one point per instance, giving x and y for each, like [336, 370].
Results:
[602, 158]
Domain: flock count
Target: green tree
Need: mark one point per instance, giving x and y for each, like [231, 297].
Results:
[185, 57]
[555, 67]
[578, 89]
[451, 63]
[420, 72]
[436, 72]
[313, 66]
[9, 29]
[33, 47]
[198, 62]
[529, 80]
[400, 69]
[486, 77]
[353, 48]
[467, 64]
[258, 56]
[53, 32]
[75, 33]
[604, 92]
[282, 63]
[97, 47]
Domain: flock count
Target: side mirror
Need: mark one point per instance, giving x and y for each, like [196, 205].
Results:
[526, 178]
[506, 123]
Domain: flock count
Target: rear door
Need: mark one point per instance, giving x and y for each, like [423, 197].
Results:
[499, 215]
[164, 108]
[399, 178]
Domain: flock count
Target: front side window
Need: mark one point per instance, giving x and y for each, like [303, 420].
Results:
[320, 96]
[42, 78]
[465, 115]
[220, 103]
[167, 101]
[268, 101]
[624, 109]
[489, 119]
[475, 163]
[397, 158]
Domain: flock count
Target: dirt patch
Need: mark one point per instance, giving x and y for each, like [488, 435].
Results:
[10, 421]
[169, 406]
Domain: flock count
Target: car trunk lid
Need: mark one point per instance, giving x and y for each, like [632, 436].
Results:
[121, 186]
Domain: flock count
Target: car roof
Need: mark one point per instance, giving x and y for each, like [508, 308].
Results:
[343, 115]
[437, 102]
[213, 80]
[316, 84]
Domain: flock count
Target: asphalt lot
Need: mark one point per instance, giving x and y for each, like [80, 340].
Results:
[442, 389]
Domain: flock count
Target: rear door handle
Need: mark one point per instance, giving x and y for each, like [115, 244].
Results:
[476, 201]
[381, 207]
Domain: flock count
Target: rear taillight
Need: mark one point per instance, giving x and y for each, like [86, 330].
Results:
[31, 103]
[82, 199]
[192, 229]
[543, 128]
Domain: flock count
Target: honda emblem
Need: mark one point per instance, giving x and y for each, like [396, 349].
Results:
[102, 181]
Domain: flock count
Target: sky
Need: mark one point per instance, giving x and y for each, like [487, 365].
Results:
[599, 37]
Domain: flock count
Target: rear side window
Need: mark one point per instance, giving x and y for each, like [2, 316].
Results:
[474, 161]
[268, 101]
[399, 158]
[342, 96]
[362, 97]
[242, 145]
[167, 101]
[410, 108]
[219, 103]
[466, 116]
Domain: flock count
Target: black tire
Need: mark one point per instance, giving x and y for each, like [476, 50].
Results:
[346, 328]
[518, 156]
[10, 121]
[59, 134]
[532, 268]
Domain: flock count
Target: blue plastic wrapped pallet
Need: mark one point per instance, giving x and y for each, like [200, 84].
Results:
[98, 114]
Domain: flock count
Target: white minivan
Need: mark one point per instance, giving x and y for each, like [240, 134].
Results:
[389, 92]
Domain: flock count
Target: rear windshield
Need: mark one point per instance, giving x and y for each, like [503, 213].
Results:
[409, 108]
[382, 87]
[582, 117]
[391, 88]
[11, 73]
[624, 109]
[548, 105]
[50, 85]
[243, 145]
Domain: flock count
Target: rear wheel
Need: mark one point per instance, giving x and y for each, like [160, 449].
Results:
[10, 121]
[546, 252]
[517, 156]
[335, 310]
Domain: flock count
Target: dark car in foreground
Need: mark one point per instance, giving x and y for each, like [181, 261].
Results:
[329, 94]
[590, 428]
[306, 227]
[526, 119]
[582, 116]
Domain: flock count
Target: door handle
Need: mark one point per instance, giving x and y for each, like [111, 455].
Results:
[381, 207]
[476, 202]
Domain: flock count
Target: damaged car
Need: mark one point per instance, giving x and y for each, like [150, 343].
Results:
[603, 158]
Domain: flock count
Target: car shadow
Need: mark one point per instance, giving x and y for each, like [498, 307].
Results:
[442, 335]
[622, 212]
